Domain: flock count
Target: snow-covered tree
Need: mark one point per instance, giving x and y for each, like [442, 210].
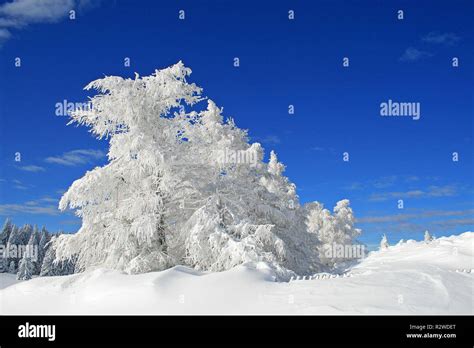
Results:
[42, 245]
[337, 228]
[14, 237]
[29, 264]
[14, 241]
[182, 186]
[26, 268]
[427, 237]
[333, 230]
[52, 266]
[47, 266]
[384, 243]
[283, 190]
[5, 233]
[33, 250]
[12, 268]
[4, 236]
[3, 262]
[24, 234]
[122, 204]
[345, 222]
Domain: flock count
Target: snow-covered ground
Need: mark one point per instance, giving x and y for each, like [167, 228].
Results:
[408, 278]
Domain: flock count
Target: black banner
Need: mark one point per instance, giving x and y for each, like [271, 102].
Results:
[293, 331]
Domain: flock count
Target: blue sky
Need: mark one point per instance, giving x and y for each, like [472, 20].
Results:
[282, 62]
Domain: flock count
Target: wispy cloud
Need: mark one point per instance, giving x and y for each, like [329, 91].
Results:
[21, 13]
[32, 168]
[412, 54]
[385, 181]
[10, 209]
[417, 222]
[382, 182]
[76, 157]
[45, 199]
[41, 206]
[431, 191]
[354, 186]
[320, 149]
[412, 178]
[454, 223]
[19, 185]
[409, 216]
[4, 35]
[269, 139]
[449, 39]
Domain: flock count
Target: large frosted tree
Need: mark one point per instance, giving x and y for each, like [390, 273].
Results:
[182, 186]
[332, 230]
[123, 204]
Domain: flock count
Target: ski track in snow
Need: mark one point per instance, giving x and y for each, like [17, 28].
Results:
[409, 278]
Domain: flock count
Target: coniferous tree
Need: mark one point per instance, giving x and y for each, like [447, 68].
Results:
[42, 245]
[333, 230]
[384, 243]
[15, 240]
[5, 233]
[12, 268]
[24, 234]
[427, 237]
[4, 236]
[182, 186]
[32, 249]
[26, 268]
[47, 266]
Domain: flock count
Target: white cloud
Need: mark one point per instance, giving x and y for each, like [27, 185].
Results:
[19, 185]
[412, 54]
[454, 223]
[4, 34]
[431, 191]
[48, 199]
[418, 222]
[410, 216]
[434, 37]
[76, 157]
[43, 206]
[412, 178]
[385, 181]
[378, 183]
[10, 209]
[32, 168]
[355, 186]
[21, 13]
[270, 140]
[24, 12]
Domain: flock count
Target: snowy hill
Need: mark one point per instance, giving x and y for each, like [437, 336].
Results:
[408, 278]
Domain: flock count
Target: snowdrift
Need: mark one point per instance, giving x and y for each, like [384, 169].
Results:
[408, 278]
